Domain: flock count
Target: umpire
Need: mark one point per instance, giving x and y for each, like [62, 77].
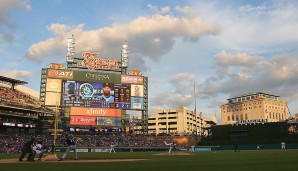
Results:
[71, 143]
[27, 148]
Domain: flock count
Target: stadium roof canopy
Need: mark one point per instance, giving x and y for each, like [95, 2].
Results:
[11, 81]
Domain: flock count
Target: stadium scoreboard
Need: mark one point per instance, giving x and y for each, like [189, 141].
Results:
[86, 91]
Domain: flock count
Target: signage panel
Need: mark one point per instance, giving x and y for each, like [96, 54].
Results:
[53, 85]
[52, 99]
[86, 111]
[96, 77]
[82, 120]
[137, 90]
[93, 63]
[109, 121]
[129, 79]
[60, 73]
[137, 103]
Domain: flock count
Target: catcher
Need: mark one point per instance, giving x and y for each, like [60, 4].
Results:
[38, 149]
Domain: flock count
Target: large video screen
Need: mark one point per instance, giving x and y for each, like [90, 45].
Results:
[95, 94]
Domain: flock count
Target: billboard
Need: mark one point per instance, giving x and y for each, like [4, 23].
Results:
[60, 73]
[96, 77]
[53, 85]
[137, 90]
[95, 94]
[82, 120]
[137, 103]
[109, 121]
[53, 92]
[52, 99]
[95, 116]
[93, 63]
[87, 111]
[132, 79]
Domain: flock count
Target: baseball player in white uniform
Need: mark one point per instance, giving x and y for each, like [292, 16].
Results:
[39, 150]
[172, 145]
[283, 145]
[112, 149]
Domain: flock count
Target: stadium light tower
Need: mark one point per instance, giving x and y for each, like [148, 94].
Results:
[70, 50]
[124, 57]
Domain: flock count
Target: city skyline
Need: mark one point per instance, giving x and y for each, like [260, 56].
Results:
[228, 48]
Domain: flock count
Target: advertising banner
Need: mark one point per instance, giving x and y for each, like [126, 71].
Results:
[86, 111]
[109, 121]
[53, 85]
[96, 77]
[203, 149]
[129, 79]
[82, 120]
[60, 73]
[52, 99]
[137, 103]
[80, 150]
[100, 150]
[137, 90]
[93, 63]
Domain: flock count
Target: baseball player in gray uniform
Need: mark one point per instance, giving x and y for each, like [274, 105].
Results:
[71, 143]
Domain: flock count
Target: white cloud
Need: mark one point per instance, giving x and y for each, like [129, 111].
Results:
[162, 10]
[227, 62]
[183, 83]
[247, 73]
[16, 74]
[241, 59]
[59, 29]
[7, 26]
[150, 36]
[186, 10]
[260, 29]
[181, 94]
[171, 100]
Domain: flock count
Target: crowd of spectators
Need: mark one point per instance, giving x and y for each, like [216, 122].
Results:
[14, 97]
[18, 113]
[13, 143]
[120, 141]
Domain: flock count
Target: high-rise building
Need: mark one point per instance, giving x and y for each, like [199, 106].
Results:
[179, 121]
[254, 106]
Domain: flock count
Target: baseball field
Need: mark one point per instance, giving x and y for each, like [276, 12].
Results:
[261, 160]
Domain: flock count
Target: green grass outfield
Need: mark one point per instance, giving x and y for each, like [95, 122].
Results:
[214, 160]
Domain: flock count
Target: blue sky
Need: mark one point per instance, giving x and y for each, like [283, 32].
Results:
[227, 48]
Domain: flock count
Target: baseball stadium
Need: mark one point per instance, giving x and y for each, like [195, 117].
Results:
[81, 121]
